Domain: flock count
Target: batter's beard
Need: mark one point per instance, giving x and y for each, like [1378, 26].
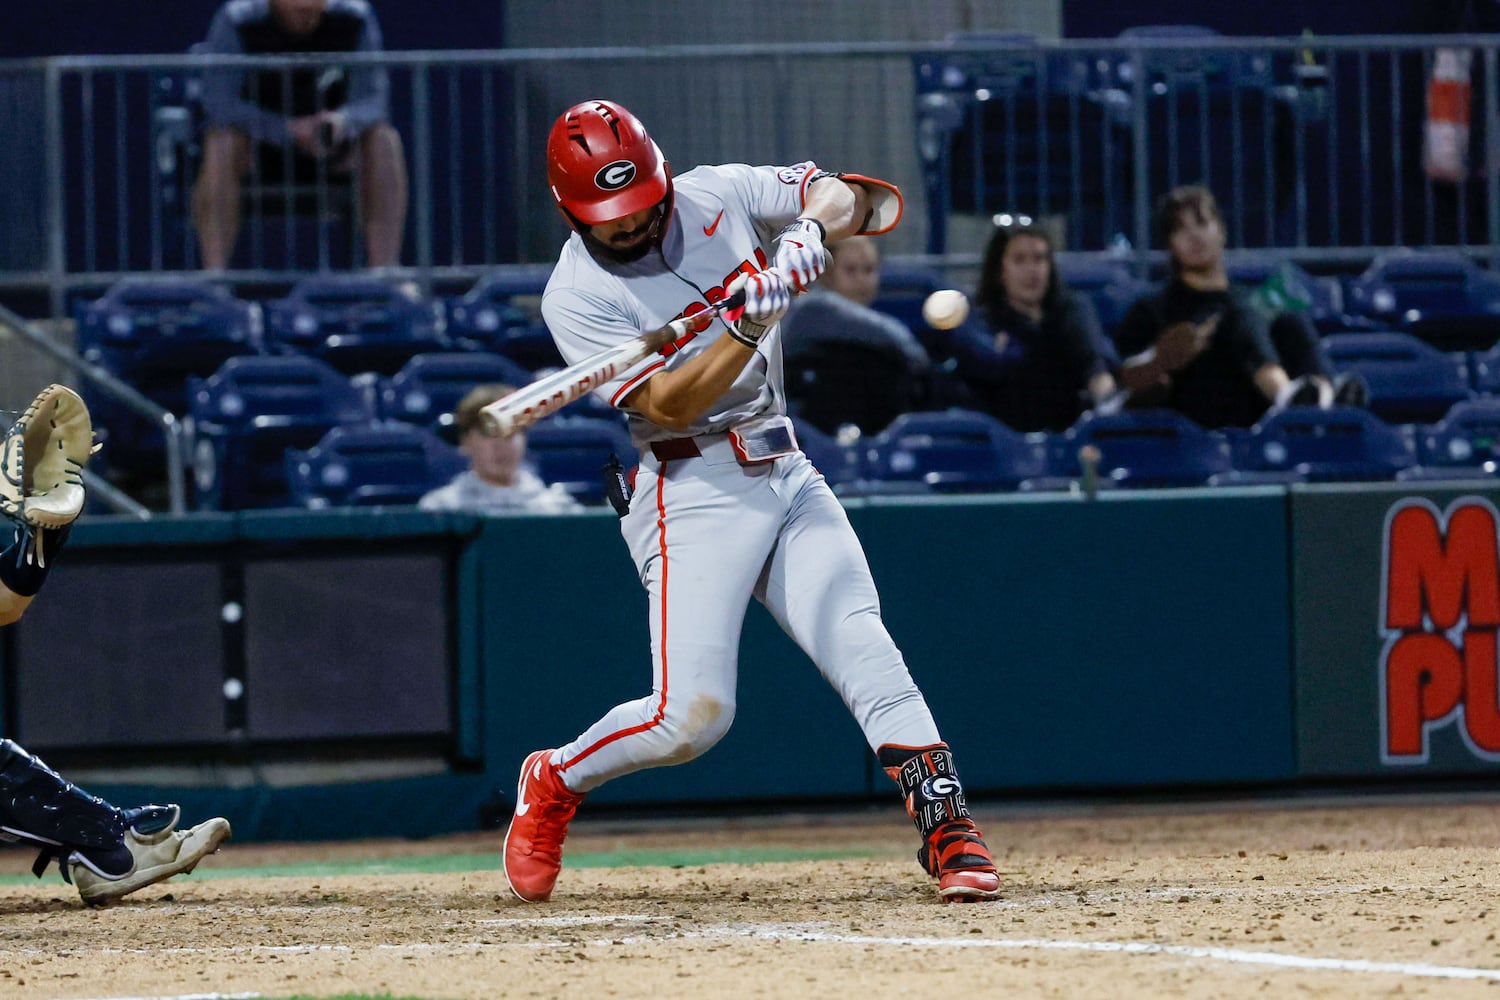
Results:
[629, 255]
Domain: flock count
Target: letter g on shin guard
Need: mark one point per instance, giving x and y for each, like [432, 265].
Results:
[928, 783]
[38, 806]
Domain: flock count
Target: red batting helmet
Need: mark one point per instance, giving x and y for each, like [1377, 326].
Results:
[602, 165]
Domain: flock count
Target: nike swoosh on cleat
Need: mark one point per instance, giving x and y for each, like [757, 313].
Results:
[709, 230]
[522, 806]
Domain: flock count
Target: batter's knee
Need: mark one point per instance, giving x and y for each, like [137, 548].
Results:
[693, 728]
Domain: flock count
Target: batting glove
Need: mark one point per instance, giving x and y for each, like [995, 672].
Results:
[799, 252]
[766, 300]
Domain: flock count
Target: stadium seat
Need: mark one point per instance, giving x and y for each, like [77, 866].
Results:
[1006, 124]
[153, 334]
[1143, 449]
[355, 323]
[1467, 438]
[1440, 296]
[1409, 380]
[500, 314]
[429, 386]
[1341, 443]
[953, 451]
[249, 412]
[573, 451]
[837, 463]
[358, 465]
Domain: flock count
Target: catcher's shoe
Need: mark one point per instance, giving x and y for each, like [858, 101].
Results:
[158, 853]
[955, 854]
[533, 844]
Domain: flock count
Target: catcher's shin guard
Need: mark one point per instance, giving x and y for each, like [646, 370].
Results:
[953, 850]
[68, 824]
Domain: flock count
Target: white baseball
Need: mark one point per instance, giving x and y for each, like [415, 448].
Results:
[945, 308]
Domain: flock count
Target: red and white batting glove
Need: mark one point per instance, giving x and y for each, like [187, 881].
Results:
[766, 300]
[800, 254]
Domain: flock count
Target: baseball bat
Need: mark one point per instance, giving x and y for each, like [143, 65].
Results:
[551, 393]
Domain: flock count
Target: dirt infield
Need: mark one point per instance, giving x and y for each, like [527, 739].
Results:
[1373, 898]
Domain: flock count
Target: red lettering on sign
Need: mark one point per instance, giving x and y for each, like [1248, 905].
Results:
[1441, 609]
[1443, 576]
[1423, 684]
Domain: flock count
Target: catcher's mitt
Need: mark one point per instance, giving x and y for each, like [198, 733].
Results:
[42, 459]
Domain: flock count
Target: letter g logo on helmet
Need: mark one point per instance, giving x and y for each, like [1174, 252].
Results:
[613, 176]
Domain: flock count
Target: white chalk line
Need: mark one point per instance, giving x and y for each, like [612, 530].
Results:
[193, 996]
[815, 933]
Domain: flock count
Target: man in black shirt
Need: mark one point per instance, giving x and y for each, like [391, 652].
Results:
[1197, 345]
[334, 118]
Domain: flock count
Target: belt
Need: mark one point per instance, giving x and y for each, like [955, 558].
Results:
[675, 448]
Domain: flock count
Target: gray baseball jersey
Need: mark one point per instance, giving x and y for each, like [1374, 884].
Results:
[723, 218]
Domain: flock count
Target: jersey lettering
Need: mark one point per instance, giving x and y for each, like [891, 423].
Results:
[714, 295]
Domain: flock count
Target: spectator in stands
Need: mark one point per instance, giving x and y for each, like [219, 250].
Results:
[847, 362]
[1199, 346]
[1032, 352]
[498, 478]
[334, 119]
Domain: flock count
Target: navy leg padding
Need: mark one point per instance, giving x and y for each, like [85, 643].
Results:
[38, 806]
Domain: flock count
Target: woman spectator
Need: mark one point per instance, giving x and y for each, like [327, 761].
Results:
[1033, 352]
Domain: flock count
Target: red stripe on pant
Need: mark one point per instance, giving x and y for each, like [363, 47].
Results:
[661, 705]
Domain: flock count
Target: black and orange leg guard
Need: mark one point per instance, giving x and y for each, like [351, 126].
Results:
[953, 850]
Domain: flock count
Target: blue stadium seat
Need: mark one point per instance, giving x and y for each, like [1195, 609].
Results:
[358, 465]
[1005, 124]
[573, 451]
[501, 314]
[1144, 449]
[355, 323]
[954, 451]
[153, 334]
[1440, 296]
[429, 386]
[1466, 439]
[1484, 371]
[837, 463]
[1410, 381]
[1337, 444]
[249, 412]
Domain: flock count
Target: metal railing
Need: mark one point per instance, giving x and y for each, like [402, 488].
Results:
[1313, 146]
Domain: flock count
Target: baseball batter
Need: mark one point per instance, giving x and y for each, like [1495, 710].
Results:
[726, 506]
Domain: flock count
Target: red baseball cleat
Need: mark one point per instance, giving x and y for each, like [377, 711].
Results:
[533, 844]
[957, 857]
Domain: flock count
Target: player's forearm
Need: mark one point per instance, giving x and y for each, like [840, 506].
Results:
[675, 399]
[840, 206]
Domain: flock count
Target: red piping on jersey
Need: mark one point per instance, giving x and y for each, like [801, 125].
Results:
[629, 386]
[661, 705]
